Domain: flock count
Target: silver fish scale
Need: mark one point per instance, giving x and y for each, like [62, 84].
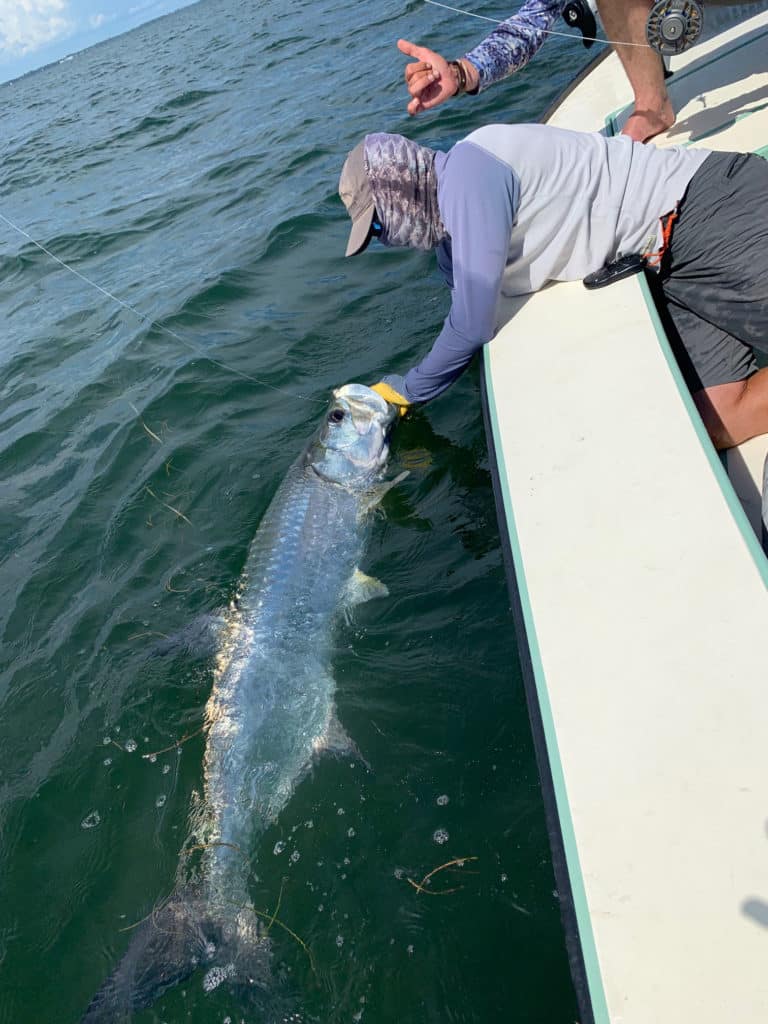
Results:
[273, 695]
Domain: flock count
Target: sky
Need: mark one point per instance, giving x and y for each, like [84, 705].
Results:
[37, 32]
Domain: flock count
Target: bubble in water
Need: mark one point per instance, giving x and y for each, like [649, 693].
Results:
[279, 847]
[442, 800]
[309, 824]
[151, 758]
[107, 740]
[409, 950]
[339, 941]
[341, 811]
[440, 836]
[91, 821]
[503, 877]
[107, 762]
[351, 833]
[398, 873]
[294, 856]
[130, 746]
[166, 769]
[160, 802]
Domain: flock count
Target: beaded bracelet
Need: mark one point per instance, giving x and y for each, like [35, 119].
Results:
[461, 76]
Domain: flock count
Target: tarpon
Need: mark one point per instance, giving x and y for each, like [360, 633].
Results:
[272, 706]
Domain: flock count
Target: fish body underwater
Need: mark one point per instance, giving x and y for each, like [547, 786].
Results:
[272, 706]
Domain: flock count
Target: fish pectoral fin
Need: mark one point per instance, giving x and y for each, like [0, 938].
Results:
[378, 492]
[382, 489]
[362, 588]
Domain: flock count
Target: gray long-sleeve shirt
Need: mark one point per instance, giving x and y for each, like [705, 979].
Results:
[528, 204]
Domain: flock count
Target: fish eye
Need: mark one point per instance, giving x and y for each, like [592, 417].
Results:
[336, 416]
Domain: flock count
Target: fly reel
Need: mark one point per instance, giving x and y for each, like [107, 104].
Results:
[674, 25]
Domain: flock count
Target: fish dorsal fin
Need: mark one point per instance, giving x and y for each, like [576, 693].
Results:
[361, 588]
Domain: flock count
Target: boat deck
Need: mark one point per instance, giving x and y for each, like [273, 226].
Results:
[641, 595]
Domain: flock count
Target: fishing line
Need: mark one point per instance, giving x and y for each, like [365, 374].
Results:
[546, 31]
[154, 323]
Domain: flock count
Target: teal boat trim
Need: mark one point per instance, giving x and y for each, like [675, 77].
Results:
[585, 966]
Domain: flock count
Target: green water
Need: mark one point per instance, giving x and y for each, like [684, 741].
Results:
[189, 169]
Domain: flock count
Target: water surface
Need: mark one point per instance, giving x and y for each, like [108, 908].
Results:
[189, 168]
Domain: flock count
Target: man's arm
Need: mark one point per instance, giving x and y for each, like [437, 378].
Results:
[512, 43]
[478, 197]
[508, 48]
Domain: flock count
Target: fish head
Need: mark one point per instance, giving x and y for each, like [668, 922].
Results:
[351, 448]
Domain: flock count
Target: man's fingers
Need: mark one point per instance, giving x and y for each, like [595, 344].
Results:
[428, 79]
[418, 73]
[412, 50]
[417, 69]
[419, 83]
[429, 104]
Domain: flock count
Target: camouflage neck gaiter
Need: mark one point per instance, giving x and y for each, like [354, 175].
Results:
[404, 186]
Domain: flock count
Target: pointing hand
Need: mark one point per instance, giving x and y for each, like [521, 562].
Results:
[430, 81]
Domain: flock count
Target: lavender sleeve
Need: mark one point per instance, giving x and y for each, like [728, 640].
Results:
[512, 43]
[478, 196]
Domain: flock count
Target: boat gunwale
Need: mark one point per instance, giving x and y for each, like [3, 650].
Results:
[577, 925]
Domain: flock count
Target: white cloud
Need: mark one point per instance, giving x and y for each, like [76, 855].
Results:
[26, 25]
[97, 20]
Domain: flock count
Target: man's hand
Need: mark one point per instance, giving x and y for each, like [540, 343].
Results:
[430, 81]
[389, 394]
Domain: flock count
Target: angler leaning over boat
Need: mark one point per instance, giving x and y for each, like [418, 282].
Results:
[512, 207]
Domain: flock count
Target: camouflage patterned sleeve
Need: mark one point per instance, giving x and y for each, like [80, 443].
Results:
[512, 43]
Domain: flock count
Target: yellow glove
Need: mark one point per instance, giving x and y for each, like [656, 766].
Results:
[389, 394]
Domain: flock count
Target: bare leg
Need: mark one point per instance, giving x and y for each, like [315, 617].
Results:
[653, 114]
[733, 413]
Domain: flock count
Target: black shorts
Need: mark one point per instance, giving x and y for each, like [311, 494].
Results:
[715, 274]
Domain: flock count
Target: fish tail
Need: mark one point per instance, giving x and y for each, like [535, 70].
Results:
[181, 936]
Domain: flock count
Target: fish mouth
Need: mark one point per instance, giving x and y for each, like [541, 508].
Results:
[365, 406]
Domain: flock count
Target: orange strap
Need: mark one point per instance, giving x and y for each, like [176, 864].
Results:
[654, 259]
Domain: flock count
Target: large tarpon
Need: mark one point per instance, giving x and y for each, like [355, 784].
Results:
[272, 705]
